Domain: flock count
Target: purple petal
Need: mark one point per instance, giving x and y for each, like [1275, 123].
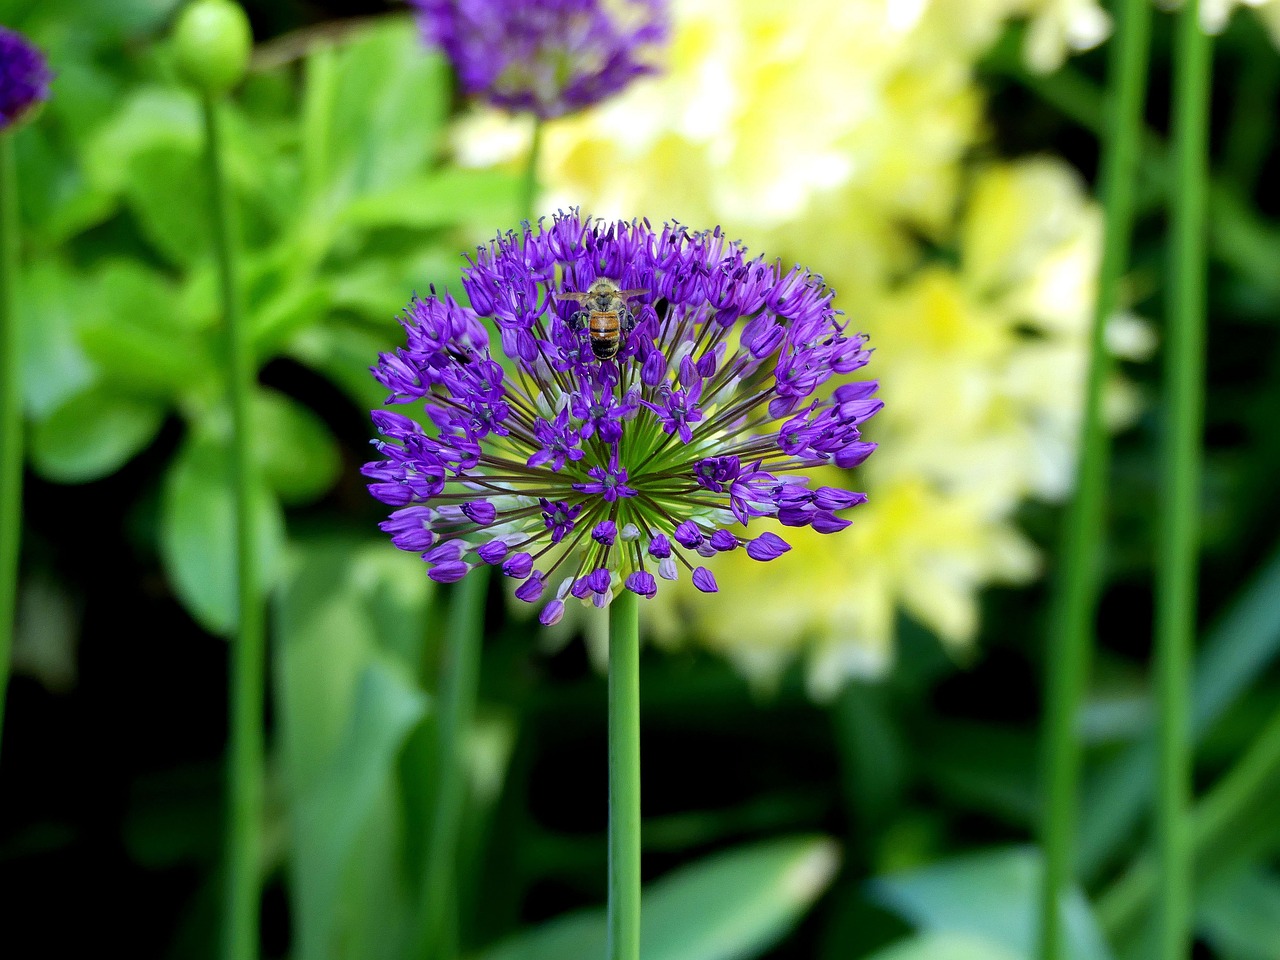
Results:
[704, 581]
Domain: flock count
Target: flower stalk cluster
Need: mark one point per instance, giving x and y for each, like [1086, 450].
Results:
[580, 476]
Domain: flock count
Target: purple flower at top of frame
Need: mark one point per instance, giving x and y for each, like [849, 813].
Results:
[580, 477]
[24, 77]
[549, 57]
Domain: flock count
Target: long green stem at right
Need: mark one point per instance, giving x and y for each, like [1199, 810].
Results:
[10, 414]
[248, 653]
[624, 777]
[1077, 589]
[1175, 616]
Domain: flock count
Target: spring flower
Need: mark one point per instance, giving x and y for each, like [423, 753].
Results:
[550, 57]
[720, 400]
[24, 77]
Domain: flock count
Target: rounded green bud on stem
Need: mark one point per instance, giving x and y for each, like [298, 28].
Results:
[213, 41]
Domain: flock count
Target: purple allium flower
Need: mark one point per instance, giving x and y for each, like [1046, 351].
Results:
[578, 480]
[550, 57]
[24, 77]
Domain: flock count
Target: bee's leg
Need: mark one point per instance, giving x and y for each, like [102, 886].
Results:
[628, 320]
[577, 321]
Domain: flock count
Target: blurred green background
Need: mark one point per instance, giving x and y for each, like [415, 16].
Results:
[863, 785]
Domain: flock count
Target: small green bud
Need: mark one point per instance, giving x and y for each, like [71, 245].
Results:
[213, 41]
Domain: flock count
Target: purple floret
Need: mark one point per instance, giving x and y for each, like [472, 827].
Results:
[24, 77]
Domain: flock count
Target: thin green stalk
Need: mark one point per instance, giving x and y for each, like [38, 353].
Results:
[456, 699]
[624, 777]
[1175, 614]
[245, 760]
[1245, 785]
[10, 413]
[1077, 588]
[529, 188]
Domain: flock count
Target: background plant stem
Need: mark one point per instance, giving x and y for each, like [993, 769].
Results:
[245, 772]
[10, 414]
[624, 777]
[1077, 588]
[529, 191]
[456, 705]
[1175, 615]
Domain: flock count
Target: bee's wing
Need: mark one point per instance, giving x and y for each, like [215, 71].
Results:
[629, 293]
[573, 297]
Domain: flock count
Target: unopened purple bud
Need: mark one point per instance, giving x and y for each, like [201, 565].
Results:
[551, 613]
[601, 600]
[518, 566]
[581, 588]
[449, 572]
[767, 546]
[654, 370]
[598, 580]
[492, 552]
[824, 521]
[688, 534]
[853, 454]
[723, 540]
[660, 546]
[531, 589]
[704, 581]
[833, 498]
[688, 373]
[707, 364]
[642, 582]
[480, 511]
[791, 516]
[855, 391]
[605, 532]
[667, 569]
[445, 553]
[705, 549]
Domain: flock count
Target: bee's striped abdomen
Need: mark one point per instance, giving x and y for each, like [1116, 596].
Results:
[604, 328]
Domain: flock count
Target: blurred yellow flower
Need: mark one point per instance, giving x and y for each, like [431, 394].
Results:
[841, 134]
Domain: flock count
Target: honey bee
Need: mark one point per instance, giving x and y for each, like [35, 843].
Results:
[605, 314]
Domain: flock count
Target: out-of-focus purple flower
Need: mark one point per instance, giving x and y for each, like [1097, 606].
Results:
[550, 57]
[588, 476]
[24, 77]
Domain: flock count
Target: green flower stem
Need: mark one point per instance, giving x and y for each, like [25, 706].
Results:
[1245, 786]
[624, 777]
[10, 413]
[1077, 588]
[456, 706]
[245, 773]
[1175, 614]
[529, 187]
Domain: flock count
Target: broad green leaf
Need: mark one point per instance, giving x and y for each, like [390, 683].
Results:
[331, 815]
[153, 118]
[450, 196]
[168, 192]
[56, 198]
[729, 906]
[92, 434]
[54, 365]
[349, 618]
[1240, 645]
[944, 946]
[389, 102]
[197, 534]
[993, 894]
[296, 454]
[293, 308]
[1239, 914]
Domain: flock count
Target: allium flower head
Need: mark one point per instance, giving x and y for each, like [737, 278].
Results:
[24, 77]
[578, 475]
[551, 57]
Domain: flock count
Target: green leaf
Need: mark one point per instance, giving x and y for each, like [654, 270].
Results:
[92, 434]
[993, 894]
[349, 617]
[451, 196]
[152, 119]
[197, 533]
[944, 946]
[1240, 645]
[54, 365]
[1239, 913]
[388, 108]
[168, 192]
[295, 452]
[729, 906]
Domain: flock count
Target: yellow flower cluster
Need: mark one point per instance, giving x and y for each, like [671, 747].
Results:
[842, 134]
